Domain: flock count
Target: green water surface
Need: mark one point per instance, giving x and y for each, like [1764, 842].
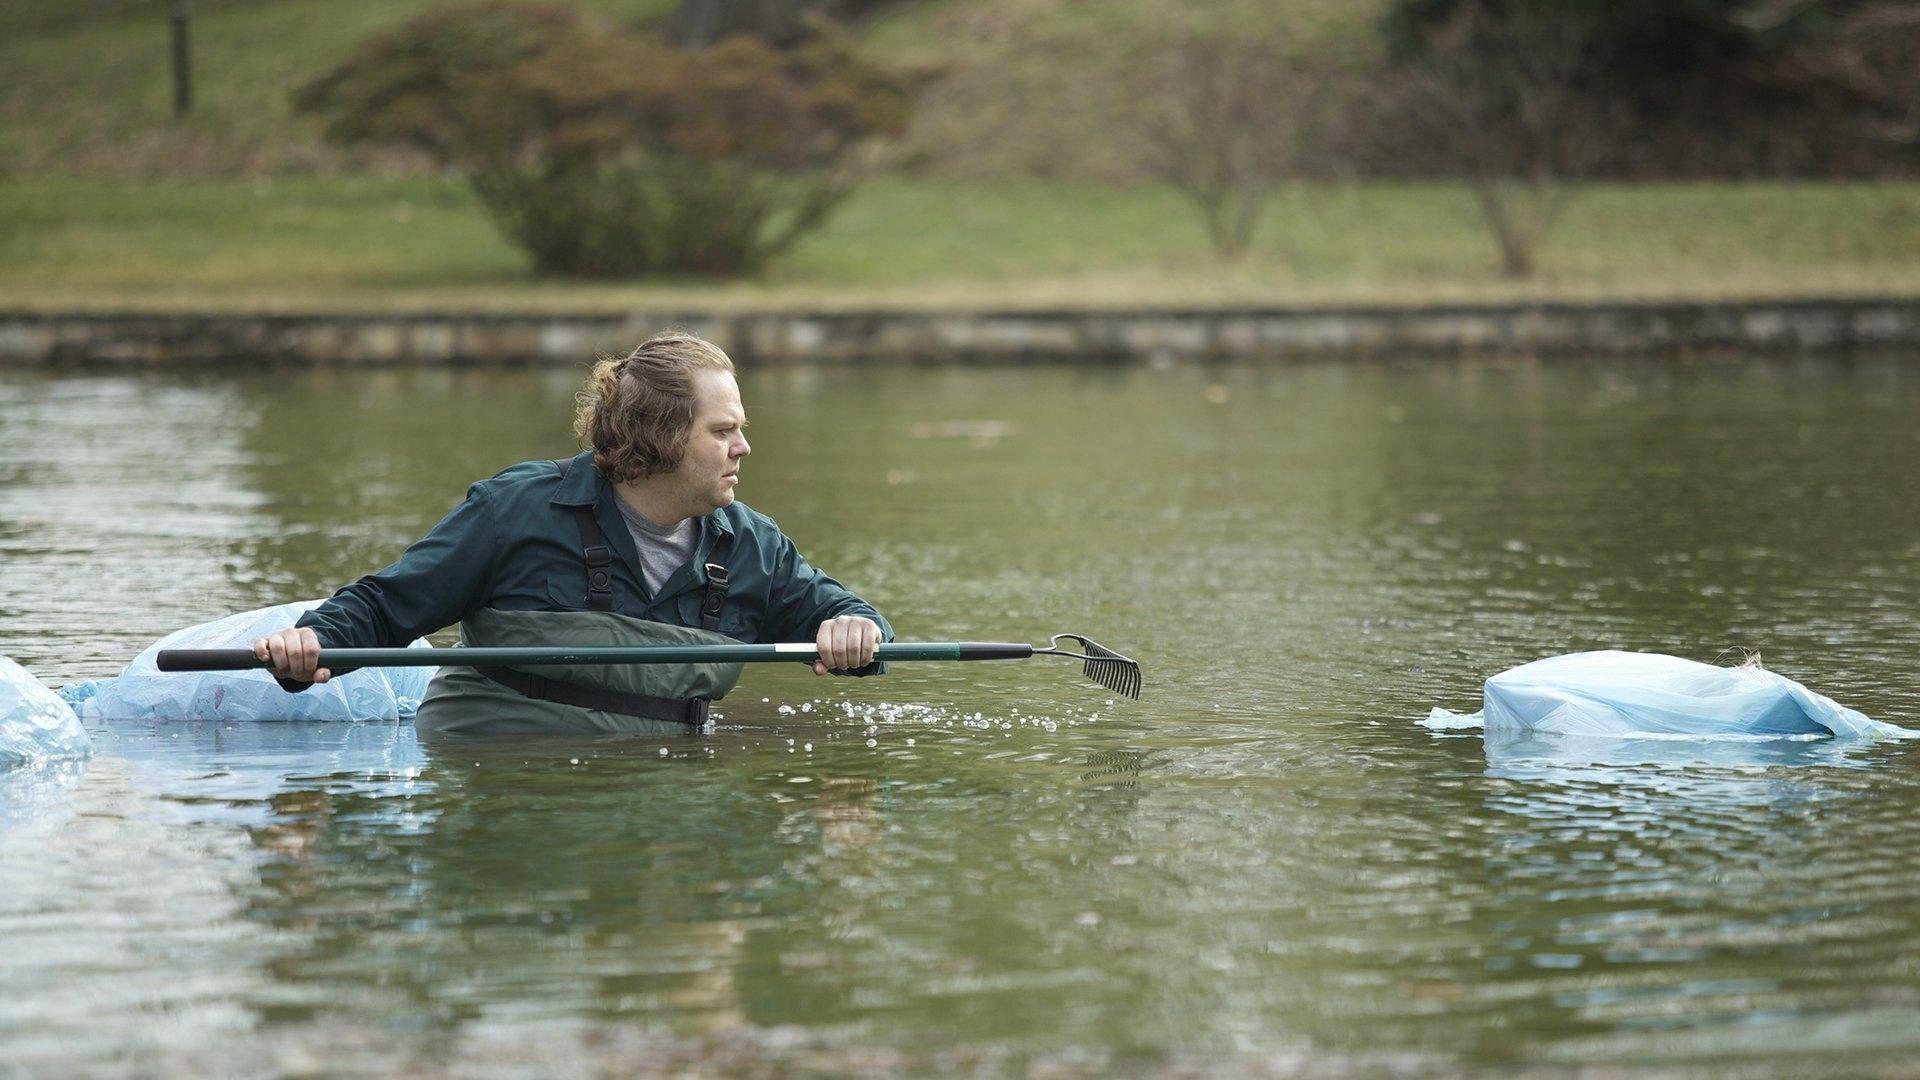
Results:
[1266, 865]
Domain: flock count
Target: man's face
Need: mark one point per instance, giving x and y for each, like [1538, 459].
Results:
[710, 467]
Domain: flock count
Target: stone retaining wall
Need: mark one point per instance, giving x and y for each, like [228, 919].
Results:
[893, 337]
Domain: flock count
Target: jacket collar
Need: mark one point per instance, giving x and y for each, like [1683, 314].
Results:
[582, 487]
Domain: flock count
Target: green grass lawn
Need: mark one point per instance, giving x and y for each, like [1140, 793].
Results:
[384, 244]
[106, 202]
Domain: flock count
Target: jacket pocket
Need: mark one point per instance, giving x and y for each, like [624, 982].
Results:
[740, 619]
[567, 595]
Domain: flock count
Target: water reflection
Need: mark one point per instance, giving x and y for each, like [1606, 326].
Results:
[112, 488]
[1521, 755]
[1637, 878]
[126, 931]
[233, 772]
[1264, 865]
[28, 791]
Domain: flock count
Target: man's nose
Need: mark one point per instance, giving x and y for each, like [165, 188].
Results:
[741, 449]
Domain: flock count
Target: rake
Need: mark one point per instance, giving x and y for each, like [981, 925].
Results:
[1101, 664]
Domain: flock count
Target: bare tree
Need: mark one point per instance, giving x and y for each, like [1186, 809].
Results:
[1223, 125]
[1502, 94]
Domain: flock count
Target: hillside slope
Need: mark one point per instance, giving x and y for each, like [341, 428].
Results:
[88, 84]
[1056, 89]
[1043, 88]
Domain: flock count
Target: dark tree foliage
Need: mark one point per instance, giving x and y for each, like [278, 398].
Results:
[782, 22]
[1688, 87]
[1873, 54]
[608, 154]
[1649, 36]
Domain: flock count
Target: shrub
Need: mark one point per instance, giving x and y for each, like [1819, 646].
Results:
[608, 154]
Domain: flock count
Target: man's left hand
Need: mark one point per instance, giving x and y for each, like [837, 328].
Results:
[846, 642]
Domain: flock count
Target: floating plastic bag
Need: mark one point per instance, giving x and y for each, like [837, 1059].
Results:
[35, 725]
[1647, 695]
[144, 692]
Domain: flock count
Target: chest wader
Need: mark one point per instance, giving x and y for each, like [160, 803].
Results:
[584, 698]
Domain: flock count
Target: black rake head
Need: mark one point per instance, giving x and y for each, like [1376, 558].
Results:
[1103, 665]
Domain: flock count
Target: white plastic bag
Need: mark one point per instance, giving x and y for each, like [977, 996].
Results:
[1647, 695]
[144, 692]
[35, 725]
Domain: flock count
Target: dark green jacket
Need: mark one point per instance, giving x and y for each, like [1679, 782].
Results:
[514, 545]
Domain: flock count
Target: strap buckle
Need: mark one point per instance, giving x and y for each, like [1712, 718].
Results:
[698, 712]
[715, 600]
[599, 576]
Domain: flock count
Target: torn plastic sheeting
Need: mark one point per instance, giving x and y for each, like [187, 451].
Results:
[35, 725]
[144, 692]
[1647, 695]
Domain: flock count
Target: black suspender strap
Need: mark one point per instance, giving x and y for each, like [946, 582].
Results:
[593, 547]
[599, 557]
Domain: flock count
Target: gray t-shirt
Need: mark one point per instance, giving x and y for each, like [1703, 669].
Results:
[663, 548]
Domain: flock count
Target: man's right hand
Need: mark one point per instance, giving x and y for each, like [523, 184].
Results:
[295, 654]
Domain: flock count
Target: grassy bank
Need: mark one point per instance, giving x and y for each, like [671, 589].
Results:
[383, 244]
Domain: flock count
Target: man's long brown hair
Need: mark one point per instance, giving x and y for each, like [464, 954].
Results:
[635, 413]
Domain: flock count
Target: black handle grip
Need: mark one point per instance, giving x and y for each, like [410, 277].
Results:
[208, 660]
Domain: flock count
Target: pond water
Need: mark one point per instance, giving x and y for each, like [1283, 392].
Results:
[1264, 865]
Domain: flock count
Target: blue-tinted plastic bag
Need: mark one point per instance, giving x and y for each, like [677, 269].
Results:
[1647, 695]
[35, 725]
[144, 692]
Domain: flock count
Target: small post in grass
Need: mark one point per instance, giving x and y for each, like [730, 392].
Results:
[182, 61]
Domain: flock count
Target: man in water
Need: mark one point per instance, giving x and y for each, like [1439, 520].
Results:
[639, 540]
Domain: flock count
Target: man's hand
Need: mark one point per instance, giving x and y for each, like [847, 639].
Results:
[295, 654]
[846, 642]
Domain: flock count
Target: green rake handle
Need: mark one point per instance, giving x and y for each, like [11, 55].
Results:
[1101, 664]
[244, 660]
